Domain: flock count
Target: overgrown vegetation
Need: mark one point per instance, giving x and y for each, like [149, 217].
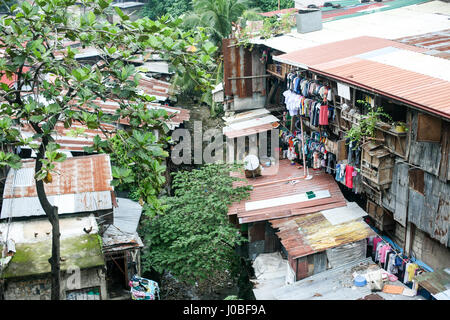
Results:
[194, 239]
[366, 126]
[50, 88]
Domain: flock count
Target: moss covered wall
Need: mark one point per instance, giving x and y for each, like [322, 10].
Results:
[33, 288]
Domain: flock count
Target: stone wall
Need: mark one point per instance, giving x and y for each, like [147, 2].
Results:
[433, 253]
[399, 235]
[40, 288]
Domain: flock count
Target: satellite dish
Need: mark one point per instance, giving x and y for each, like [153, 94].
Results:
[251, 162]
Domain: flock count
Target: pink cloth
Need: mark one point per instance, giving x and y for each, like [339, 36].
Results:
[375, 242]
[349, 176]
[383, 252]
[323, 115]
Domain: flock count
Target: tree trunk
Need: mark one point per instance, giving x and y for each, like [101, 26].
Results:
[52, 215]
[56, 257]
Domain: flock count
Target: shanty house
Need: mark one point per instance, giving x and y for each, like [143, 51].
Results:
[121, 247]
[396, 58]
[27, 274]
[82, 192]
[308, 220]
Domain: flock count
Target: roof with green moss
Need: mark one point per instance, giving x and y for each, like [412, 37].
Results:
[31, 259]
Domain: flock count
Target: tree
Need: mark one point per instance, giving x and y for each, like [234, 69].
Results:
[154, 9]
[194, 239]
[50, 86]
[5, 5]
[272, 5]
[217, 16]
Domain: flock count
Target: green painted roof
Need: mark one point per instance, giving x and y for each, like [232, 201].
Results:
[32, 258]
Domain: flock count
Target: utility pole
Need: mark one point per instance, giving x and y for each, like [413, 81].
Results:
[278, 4]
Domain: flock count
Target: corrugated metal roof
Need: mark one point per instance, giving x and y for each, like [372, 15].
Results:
[127, 215]
[80, 184]
[343, 61]
[69, 142]
[116, 240]
[276, 12]
[273, 184]
[311, 233]
[122, 234]
[392, 24]
[249, 122]
[154, 87]
[437, 43]
[334, 284]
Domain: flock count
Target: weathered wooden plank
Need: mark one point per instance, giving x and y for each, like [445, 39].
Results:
[415, 208]
[426, 155]
[401, 192]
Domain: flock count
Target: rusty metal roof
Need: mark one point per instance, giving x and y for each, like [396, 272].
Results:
[115, 240]
[71, 142]
[436, 43]
[311, 233]
[154, 87]
[80, 184]
[375, 64]
[273, 184]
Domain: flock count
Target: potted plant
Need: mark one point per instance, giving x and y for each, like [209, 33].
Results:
[399, 126]
[366, 126]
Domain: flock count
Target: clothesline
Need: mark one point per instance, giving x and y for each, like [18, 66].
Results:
[398, 253]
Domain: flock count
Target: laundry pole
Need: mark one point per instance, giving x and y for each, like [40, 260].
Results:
[303, 145]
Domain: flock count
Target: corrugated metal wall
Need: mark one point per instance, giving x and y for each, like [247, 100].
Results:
[241, 62]
[426, 155]
[309, 265]
[396, 197]
[430, 211]
[347, 253]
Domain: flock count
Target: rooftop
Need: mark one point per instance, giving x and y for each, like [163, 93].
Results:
[307, 234]
[437, 43]
[278, 194]
[122, 234]
[333, 284]
[248, 123]
[80, 184]
[410, 20]
[398, 71]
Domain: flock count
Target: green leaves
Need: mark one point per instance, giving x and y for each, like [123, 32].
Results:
[121, 176]
[9, 159]
[122, 16]
[194, 239]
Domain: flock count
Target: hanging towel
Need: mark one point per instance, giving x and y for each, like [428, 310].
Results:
[349, 176]
[323, 116]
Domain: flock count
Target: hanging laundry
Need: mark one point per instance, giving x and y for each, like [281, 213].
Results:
[349, 176]
[411, 270]
[323, 117]
[391, 267]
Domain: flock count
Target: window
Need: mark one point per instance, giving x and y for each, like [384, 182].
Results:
[428, 128]
[416, 180]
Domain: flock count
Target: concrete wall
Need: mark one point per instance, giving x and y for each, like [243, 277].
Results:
[40, 288]
[430, 251]
[399, 235]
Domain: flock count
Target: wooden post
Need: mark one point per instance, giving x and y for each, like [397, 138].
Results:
[303, 147]
[292, 123]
